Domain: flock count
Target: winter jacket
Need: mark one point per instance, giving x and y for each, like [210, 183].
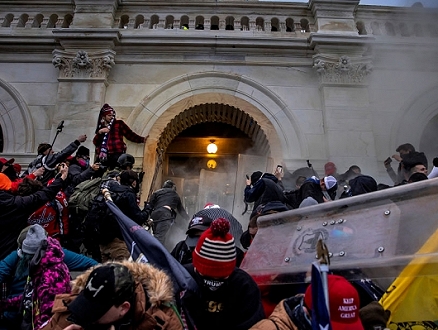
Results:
[8, 266]
[126, 200]
[15, 210]
[115, 142]
[167, 197]
[51, 160]
[235, 305]
[264, 191]
[48, 276]
[53, 216]
[153, 301]
[76, 175]
[289, 314]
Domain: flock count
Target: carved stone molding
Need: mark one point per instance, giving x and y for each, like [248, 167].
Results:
[343, 71]
[83, 65]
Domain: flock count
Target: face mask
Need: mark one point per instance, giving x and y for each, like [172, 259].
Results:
[83, 163]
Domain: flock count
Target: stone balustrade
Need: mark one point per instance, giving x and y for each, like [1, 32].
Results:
[295, 25]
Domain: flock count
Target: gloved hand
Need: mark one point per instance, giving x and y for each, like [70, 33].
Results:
[295, 310]
[140, 177]
[435, 162]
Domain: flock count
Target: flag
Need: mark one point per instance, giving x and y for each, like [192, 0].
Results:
[413, 296]
[320, 312]
[145, 248]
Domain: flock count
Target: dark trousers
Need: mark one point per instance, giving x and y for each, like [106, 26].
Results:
[162, 220]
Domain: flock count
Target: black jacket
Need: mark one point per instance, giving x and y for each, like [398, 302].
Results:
[169, 197]
[50, 161]
[126, 200]
[265, 190]
[15, 210]
[236, 305]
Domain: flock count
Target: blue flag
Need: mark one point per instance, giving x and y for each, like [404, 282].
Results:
[145, 248]
[320, 313]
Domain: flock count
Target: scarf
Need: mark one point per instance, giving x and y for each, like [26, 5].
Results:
[103, 155]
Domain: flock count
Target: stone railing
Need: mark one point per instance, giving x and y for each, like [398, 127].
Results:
[287, 24]
[214, 23]
[396, 29]
[39, 21]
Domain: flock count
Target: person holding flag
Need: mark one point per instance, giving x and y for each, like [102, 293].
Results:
[329, 303]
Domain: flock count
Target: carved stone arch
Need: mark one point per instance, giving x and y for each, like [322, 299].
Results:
[16, 121]
[152, 115]
[414, 119]
[218, 113]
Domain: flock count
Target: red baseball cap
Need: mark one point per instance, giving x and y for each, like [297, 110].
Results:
[343, 301]
[4, 161]
[17, 168]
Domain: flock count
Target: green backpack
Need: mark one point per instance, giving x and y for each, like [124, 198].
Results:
[83, 194]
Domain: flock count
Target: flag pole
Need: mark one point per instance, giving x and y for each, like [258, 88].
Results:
[324, 262]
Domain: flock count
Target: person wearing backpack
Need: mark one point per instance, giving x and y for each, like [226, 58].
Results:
[107, 230]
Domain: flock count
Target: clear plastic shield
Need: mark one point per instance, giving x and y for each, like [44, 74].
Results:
[385, 236]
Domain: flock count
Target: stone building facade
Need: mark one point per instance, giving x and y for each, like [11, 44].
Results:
[323, 80]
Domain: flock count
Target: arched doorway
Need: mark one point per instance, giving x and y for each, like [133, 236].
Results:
[211, 177]
[200, 176]
[256, 109]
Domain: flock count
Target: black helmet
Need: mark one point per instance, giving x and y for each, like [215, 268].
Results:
[125, 161]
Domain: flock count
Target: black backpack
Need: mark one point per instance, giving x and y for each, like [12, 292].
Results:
[99, 223]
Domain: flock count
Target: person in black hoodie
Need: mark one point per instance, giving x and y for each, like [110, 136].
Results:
[263, 189]
[112, 245]
[15, 210]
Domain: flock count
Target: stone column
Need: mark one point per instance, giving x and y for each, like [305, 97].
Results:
[343, 63]
[84, 60]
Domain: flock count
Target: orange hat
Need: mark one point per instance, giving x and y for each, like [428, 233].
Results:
[5, 182]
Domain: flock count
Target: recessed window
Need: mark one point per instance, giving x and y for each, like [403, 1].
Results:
[53, 19]
[124, 20]
[214, 23]
[275, 25]
[169, 22]
[290, 25]
[8, 20]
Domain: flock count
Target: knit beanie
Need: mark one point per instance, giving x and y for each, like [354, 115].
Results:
[35, 235]
[106, 110]
[255, 177]
[215, 253]
[43, 147]
[83, 151]
[5, 182]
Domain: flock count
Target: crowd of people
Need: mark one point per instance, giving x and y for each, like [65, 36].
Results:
[54, 213]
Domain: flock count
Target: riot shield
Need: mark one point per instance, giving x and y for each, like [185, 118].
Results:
[388, 238]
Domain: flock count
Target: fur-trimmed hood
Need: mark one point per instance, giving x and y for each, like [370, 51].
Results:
[156, 282]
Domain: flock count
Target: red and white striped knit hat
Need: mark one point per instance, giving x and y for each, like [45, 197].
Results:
[215, 253]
